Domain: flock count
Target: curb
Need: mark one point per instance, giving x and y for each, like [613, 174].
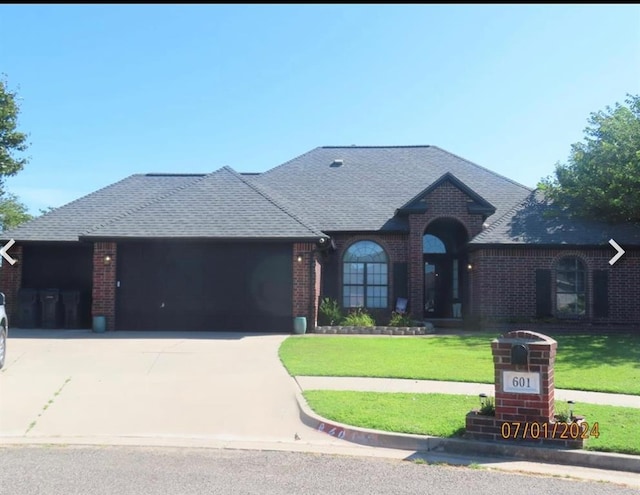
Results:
[425, 443]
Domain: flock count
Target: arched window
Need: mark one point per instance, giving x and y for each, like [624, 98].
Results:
[570, 287]
[365, 276]
[432, 245]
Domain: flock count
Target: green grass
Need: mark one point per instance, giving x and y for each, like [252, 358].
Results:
[584, 362]
[443, 415]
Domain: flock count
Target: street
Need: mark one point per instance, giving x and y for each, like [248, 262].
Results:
[69, 470]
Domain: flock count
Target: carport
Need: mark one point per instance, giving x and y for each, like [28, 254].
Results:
[64, 269]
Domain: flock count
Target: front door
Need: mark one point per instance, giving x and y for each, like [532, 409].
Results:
[437, 287]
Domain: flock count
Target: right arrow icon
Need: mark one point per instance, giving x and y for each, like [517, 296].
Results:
[620, 252]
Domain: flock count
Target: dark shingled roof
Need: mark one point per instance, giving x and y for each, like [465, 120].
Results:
[221, 205]
[67, 222]
[327, 189]
[364, 192]
[529, 223]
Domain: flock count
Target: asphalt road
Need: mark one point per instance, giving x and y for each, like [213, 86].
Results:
[70, 470]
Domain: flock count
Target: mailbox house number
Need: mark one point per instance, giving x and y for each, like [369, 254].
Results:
[521, 383]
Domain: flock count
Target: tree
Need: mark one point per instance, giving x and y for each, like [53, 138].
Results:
[12, 212]
[11, 140]
[602, 177]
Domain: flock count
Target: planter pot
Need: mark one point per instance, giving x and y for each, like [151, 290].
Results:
[99, 324]
[300, 324]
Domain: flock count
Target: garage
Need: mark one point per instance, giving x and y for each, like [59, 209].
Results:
[180, 285]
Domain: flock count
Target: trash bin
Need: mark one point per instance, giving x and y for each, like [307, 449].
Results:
[28, 310]
[71, 302]
[50, 301]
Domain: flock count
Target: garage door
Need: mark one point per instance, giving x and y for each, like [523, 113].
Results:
[204, 286]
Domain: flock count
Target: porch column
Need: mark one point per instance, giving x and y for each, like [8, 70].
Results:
[104, 282]
[11, 283]
[416, 267]
[306, 283]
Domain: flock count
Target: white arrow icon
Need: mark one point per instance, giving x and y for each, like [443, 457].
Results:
[617, 247]
[4, 249]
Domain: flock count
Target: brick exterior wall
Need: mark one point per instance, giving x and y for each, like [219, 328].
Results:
[503, 282]
[445, 202]
[11, 283]
[306, 282]
[104, 282]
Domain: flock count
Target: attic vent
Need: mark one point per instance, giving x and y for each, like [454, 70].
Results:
[337, 163]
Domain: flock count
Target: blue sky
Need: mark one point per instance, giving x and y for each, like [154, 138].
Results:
[108, 91]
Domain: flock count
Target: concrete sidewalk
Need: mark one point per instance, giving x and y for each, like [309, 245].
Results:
[458, 388]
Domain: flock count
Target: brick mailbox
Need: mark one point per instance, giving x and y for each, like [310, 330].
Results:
[524, 396]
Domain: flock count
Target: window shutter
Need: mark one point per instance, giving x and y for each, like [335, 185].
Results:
[400, 285]
[330, 272]
[543, 293]
[600, 293]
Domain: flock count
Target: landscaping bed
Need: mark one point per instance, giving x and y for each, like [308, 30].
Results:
[353, 330]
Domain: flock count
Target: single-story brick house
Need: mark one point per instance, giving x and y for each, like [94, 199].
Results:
[363, 225]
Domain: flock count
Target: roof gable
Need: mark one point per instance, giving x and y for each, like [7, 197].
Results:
[476, 204]
[221, 205]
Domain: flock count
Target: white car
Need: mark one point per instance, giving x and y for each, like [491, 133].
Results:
[4, 330]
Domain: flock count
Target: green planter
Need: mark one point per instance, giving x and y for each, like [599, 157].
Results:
[99, 324]
[300, 324]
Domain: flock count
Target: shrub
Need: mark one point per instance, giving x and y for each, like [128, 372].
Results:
[329, 312]
[400, 320]
[489, 407]
[358, 318]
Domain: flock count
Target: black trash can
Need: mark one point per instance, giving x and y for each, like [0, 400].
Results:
[51, 314]
[28, 308]
[71, 302]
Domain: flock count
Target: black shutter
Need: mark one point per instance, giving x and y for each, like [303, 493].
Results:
[600, 293]
[400, 285]
[330, 277]
[543, 293]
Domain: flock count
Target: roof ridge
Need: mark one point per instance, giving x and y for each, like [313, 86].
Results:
[380, 146]
[484, 168]
[144, 205]
[269, 198]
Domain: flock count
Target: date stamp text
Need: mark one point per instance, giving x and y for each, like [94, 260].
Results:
[533, 431]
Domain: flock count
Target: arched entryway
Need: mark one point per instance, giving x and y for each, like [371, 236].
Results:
[445, 260]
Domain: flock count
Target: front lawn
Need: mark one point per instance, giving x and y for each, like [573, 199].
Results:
[443, 415]
[584, 362]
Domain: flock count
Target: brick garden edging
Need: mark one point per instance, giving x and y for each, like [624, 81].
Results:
[425, 330]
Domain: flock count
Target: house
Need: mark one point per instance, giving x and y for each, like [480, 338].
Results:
[363, 225]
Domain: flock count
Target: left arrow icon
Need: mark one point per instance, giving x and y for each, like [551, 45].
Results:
[4, 249]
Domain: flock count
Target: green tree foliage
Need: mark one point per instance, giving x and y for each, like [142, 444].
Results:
[12, 141]
[12, 212]
[602, 177]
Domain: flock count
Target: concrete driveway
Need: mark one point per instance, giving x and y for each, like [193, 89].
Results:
[202, 386]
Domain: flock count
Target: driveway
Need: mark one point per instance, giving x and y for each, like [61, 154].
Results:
[198, 385]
